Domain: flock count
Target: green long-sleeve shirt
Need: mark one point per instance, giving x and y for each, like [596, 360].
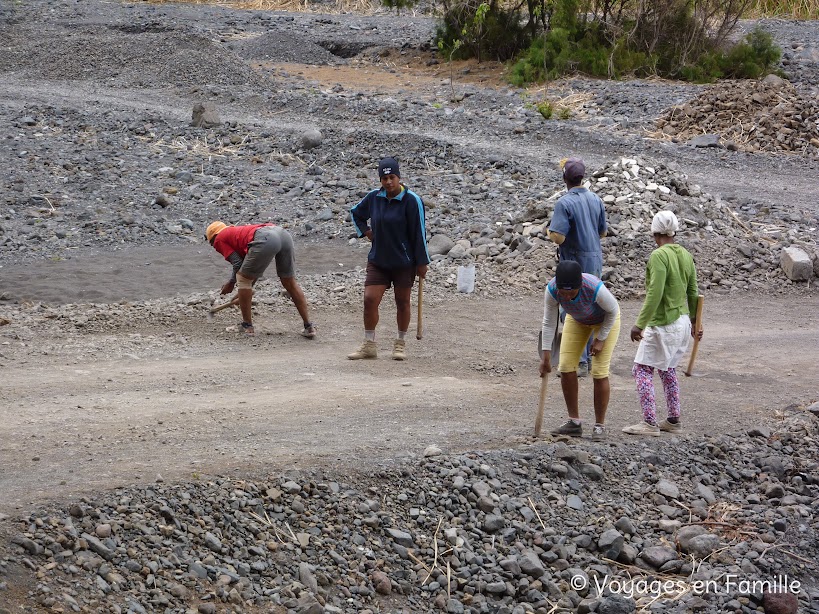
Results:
[671, 286]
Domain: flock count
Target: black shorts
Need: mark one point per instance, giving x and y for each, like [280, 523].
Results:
[402, 278]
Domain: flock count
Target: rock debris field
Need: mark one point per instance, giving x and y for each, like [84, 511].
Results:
[99, 159]
[539, 529]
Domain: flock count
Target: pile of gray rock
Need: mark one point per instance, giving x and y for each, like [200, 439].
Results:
[767, 115]
[732, 253]
[687, 524]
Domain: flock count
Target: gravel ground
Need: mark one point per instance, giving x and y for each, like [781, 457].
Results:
[99, 162]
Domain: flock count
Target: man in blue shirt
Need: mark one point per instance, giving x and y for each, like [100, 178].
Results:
[578, 224]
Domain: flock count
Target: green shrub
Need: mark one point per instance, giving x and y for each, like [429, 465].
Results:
[560, 52]
[752, 58]
[610, 39]
[564, 113]
[399, 4]
[499, 33]
[706, 70]
[546, 109]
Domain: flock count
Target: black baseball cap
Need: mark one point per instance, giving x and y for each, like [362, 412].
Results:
[569, 275]
[388, 166]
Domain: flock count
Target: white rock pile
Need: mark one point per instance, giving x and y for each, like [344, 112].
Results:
[731, 254]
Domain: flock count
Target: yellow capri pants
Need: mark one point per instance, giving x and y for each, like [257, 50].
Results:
[576, 336]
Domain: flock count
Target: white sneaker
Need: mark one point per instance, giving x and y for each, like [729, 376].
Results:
[368, 350]
[670, 427]
[309, 332]
[399, 349]
[643, 428]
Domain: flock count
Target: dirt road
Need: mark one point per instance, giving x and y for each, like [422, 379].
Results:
[196, 400]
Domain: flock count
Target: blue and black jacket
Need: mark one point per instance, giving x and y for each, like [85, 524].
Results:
[399, 228]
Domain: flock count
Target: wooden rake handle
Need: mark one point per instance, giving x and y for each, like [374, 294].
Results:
[419, 333]
[698, 324]
[544, 385]
[235, 301]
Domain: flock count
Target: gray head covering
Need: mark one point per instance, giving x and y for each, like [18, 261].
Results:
[574, 169]
[665, 223]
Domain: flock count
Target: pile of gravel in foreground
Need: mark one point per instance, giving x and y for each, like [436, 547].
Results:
[536, 529]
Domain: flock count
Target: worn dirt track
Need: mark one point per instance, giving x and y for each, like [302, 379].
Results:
[197, 400]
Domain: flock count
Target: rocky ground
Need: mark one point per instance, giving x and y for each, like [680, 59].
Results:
[106, 189]
[547, 528]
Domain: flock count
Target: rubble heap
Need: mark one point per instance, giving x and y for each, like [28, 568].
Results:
[731, 253]
[767, 115]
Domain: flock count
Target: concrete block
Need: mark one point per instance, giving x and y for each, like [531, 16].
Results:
[796, 263]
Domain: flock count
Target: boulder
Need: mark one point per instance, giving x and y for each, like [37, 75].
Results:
[705, 140]
[775, 81]
[616, 604]
[530, 564]
[440, 245]
[657, 556]
[205, 116]
[686, 534]
[310, 139]
[780, 603]
[668, 489]
[610, 543]
[796, 263]
[703, 545]
[457, 251]
[381, 582]
[401, 537]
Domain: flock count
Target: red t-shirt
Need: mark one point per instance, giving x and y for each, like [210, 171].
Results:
[235, 239]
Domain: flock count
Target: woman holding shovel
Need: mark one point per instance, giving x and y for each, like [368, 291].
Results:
[664, 325]
[592, 312]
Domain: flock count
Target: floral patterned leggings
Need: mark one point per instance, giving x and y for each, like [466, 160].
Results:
[644, 376]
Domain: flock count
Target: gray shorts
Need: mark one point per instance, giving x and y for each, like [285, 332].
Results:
[269, 241]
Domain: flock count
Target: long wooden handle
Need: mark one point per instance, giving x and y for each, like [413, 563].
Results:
[235, 301]
[698, 324]
[419, 333]
[544, 384]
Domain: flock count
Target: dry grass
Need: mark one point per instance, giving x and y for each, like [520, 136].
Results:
[296, 6]
[787, 9]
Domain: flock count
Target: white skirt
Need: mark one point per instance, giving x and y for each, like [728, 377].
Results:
[663, 347]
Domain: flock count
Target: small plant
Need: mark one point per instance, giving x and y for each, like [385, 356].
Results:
[564, 113]
[437, 105]
[453, 50]
[546, 109]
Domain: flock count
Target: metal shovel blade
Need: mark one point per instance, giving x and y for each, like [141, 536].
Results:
[555, 348]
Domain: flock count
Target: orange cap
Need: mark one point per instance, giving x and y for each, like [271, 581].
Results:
[214, 229]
